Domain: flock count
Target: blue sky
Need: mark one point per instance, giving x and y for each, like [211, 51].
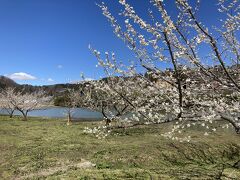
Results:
[46, 41]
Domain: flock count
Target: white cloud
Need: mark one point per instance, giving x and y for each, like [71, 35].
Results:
[21, 76]
[59, 66]
[50, 80]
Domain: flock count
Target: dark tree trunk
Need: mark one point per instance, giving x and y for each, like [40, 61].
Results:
[237, 129]
[108, 121]
[11, 113]
[176, 74]
[25, 118]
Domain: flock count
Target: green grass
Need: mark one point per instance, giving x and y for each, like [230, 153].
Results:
[49, 149]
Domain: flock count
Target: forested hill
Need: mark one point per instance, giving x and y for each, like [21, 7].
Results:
[59, 89]
[6, 82]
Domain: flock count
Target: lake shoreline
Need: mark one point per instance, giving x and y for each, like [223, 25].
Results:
[79, 114]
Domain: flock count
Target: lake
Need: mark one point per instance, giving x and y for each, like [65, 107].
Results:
[60, 112]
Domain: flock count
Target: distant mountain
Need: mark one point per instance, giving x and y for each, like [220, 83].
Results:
[7, 82]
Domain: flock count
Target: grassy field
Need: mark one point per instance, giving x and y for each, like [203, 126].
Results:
[49, 149]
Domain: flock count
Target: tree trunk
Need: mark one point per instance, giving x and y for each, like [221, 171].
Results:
[11, 113]
[237, 129]
[108, 121]
[69, 119]
[24, 113]
[24, 117]
[176, 74]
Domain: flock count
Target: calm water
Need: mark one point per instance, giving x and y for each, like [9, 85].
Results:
[60, 112]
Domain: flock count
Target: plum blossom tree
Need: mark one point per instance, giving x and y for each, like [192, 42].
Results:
[137, 90]
[71, 104]
[200, 89]
[223, 101]
[100, 96]
[128, 100]
[26, 102]
[5, 103]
